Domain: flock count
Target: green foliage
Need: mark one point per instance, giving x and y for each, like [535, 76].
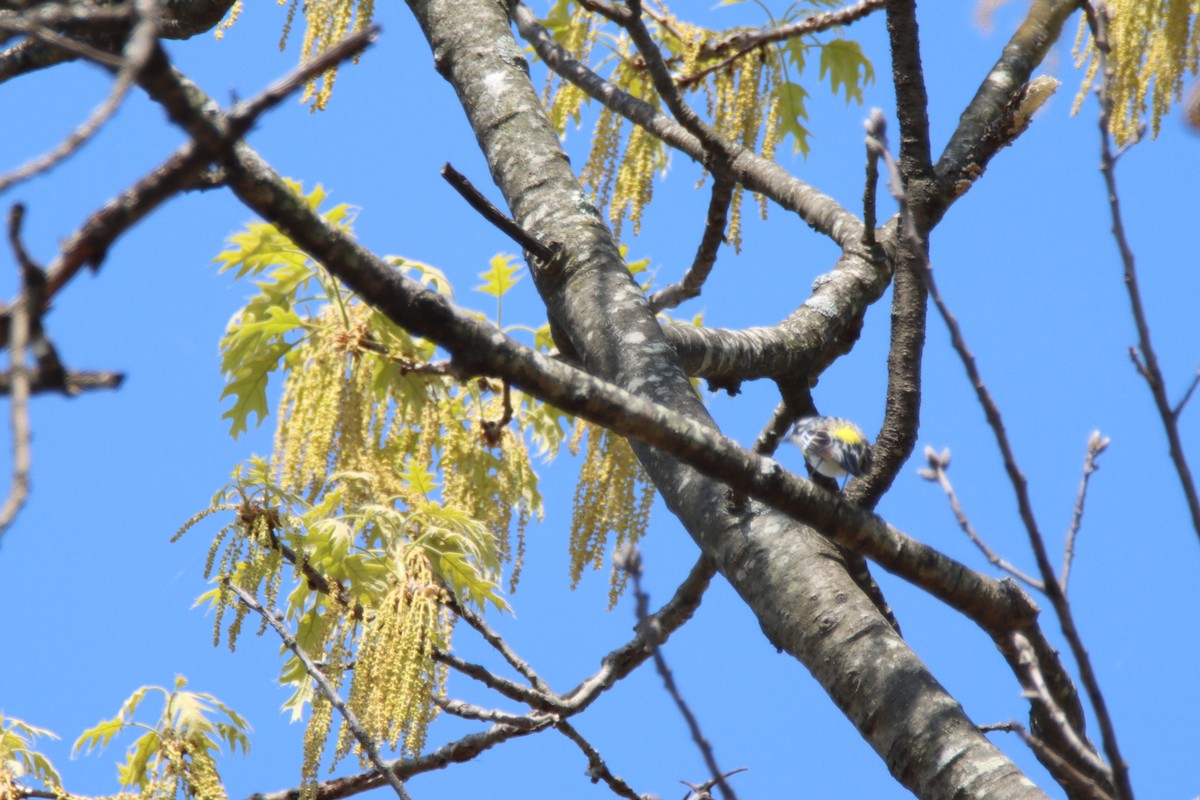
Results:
[502, 274]
[791, 110]
[395, 494]
[175, 757]
[18, 759]
[848, 68]
[267, 328]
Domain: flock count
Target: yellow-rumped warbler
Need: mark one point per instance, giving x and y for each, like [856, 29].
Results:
[833, 446]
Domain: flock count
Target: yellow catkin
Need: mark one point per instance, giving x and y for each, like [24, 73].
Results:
[235, 11]
[395, 676]
[608, 505]
[1153, 42]
[564, 100]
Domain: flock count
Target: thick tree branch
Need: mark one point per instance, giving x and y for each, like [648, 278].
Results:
[979, 135]
[847, 647]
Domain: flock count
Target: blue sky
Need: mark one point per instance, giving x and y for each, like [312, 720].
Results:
[97, 601]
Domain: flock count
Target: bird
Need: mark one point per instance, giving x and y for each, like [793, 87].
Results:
[833, 446]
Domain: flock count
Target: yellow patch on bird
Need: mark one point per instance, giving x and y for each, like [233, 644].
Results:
[847, 434]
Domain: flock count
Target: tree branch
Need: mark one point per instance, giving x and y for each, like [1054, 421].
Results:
[19, 329]
[328, 689]
[752, 171]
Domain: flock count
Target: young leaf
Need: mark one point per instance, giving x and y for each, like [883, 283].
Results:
[501, 276]
[843, 59]
[791, 111]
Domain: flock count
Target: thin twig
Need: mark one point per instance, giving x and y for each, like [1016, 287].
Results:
[71, 382]
[487, 210]
[745, 43]
[141, 44]
[715, 220]
[19, 325]
[936, 472]
[754, 172]
[327, 688]
[1080, 782]
[1097, 444]
[500, 646]
[1148, 366]
[510, 689]
[1041, 694]
[597, 769]
[630, 19]
[1178, 409]
[629, 560]
[464, 710]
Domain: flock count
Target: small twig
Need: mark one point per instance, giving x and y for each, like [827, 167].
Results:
[1039, 692]
[463, 710]
[19, 325]
[544, 253]
[1046, 754]
[72, 382]
[869, 192]
[499, 645]
[630, 19]
[1147, 365]
[936, 472]
[745, 43]
[692, 282]
[623, 660]
[347, 48]
[703, 791]
[1178, 409]
[510, 689]
[492, 428]
[597, 769]
[328, 689]
[629, 560]
[142, 40]
[1096, 445]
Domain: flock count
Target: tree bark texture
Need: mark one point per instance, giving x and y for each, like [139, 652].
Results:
[792, 578]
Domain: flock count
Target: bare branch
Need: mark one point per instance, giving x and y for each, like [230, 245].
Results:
[597, 769]
[70, 383]
[1147, 365]
[629, 560]
[22, 312]
[137, 53]
[327, 688]
[744, 43]
[1041, 693]
[936, 472]
[510, 689]
[500, 646]
[535, 721]
[1096, 445]
[715, 221]
[752, 171]
[474, 198]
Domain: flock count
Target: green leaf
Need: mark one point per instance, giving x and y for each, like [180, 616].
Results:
[791, 111]
[500, 277]
[98, 737]
[418, 479]
[848, 68]
[137, 760]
